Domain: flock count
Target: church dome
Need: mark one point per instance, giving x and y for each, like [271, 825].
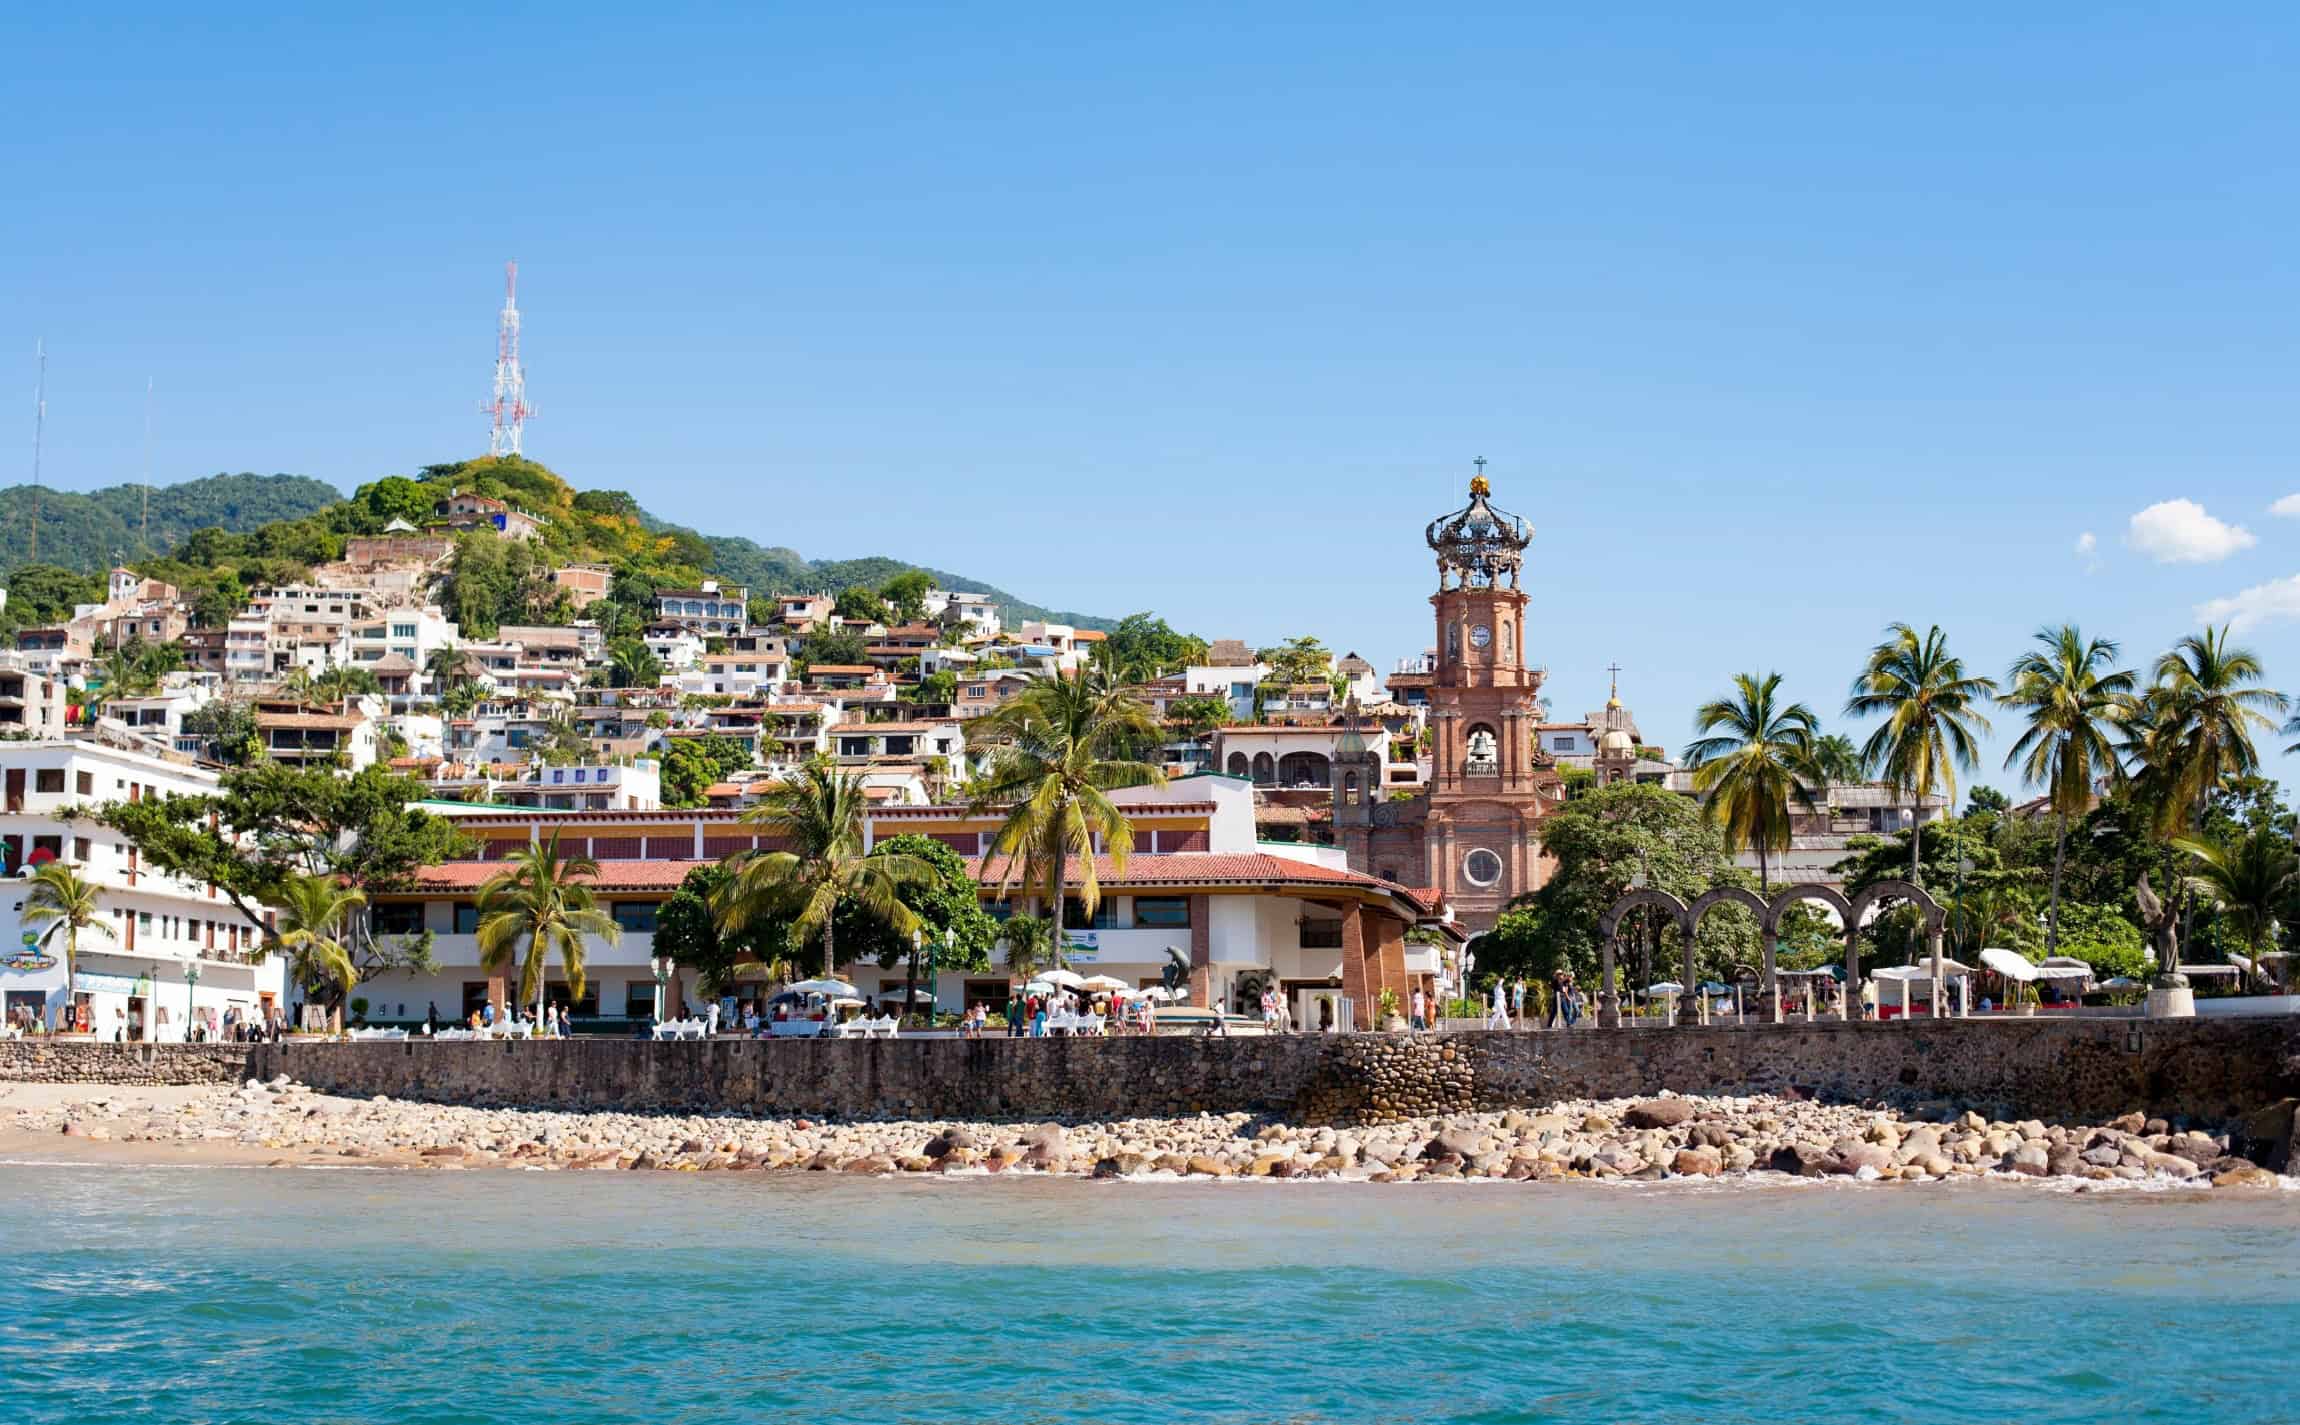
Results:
[1616, 741]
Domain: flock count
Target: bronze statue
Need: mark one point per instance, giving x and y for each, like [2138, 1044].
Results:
[2162, 923]
[1175, 971]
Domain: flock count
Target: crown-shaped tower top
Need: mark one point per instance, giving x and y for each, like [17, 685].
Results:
[1480, 546]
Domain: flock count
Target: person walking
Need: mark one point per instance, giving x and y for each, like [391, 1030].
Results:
[1419, 1010]
[1014, 1016]
[1497, 1016]
[1517, 999]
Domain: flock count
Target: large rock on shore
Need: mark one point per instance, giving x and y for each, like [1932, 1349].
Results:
[1657, 1113]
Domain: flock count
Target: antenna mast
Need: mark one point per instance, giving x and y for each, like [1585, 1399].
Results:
[508, 411]
[39, 425]
[146, 536]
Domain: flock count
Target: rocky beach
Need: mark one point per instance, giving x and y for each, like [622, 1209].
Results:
[284, 1123]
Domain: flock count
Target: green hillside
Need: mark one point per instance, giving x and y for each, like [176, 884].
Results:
[93, 529]
[218, 537]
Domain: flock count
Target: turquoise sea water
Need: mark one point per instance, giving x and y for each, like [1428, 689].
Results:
[212, 1294]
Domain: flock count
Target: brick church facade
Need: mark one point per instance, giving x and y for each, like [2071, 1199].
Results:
[1474, 830]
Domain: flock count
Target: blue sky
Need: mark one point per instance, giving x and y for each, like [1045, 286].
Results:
[1778, 325]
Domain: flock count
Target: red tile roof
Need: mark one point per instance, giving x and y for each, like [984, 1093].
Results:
[613, 875]
[1197, 868]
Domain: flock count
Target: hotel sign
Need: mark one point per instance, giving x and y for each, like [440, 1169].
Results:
[1081, 946]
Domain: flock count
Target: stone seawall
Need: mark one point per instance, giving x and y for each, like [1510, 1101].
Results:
[2047, 1068]
[44, 1061]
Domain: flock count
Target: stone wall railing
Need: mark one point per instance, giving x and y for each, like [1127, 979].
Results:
[79, 1061]
[2045, 1068]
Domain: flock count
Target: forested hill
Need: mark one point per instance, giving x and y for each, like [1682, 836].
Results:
[93, 529]
[217, 537]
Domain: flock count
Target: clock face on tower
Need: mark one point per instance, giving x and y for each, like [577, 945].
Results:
[1480, 636]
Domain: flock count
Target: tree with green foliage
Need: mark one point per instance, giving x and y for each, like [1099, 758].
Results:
[2075, 698]
[226, 725]
[1602, 842]
[1145, 647]
[1988, 801]
[938, 689]
[395, 497]
[539, 904]
[267, 822]
[860, 605]
[818, 811]
[688, 931]
[1197, 716]
[1753, 759]
[41, 594]
[691, 764]
[906, 594]
[1298, 660]
[947, 908]
[825, 646]
[2103, 938]
[1932, 714]
[1057, 750]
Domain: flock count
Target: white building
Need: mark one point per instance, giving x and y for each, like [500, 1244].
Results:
[1241, 916]
[176, 953]
[1233, 683]
[978, 611]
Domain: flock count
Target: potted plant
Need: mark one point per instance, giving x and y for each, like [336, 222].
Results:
[1386, 1016]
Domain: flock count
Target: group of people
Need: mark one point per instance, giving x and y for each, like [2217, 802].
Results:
[486, 1018]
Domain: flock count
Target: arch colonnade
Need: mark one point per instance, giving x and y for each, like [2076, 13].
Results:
[1687, 918]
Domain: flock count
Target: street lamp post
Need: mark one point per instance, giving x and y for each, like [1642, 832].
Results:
[191, 997]
[663, 966]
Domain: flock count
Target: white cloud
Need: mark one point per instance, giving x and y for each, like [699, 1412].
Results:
[2180, 532]
[2088, 550]
[2262, 603]
[2288, 507]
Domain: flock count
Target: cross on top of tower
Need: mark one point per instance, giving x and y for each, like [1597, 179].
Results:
[1613, 694]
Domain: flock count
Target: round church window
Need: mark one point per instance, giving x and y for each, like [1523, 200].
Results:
[1481, 867]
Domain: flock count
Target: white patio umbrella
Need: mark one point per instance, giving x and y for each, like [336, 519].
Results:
[1069, 980]
[2009, 963]
[917, 992]
[1103, 982]
[1666, 987]
[846, 1002]
[827, 987]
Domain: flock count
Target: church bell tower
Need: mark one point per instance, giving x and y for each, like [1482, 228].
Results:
[1489, 787]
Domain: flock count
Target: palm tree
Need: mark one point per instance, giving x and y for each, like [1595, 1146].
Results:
[313, 911]
[447, 666]
[1754, 757]
[819, 813]
[2245, 879]
[2074, 699]
[1836, 759]
[2207, 706]
[537, 901]
[1933, 720]
[1058, 749]
[1029, 943]
[135, 668]
[634, 666]
[61, 900]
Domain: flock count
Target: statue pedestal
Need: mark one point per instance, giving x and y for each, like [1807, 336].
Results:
[2172, 1003]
